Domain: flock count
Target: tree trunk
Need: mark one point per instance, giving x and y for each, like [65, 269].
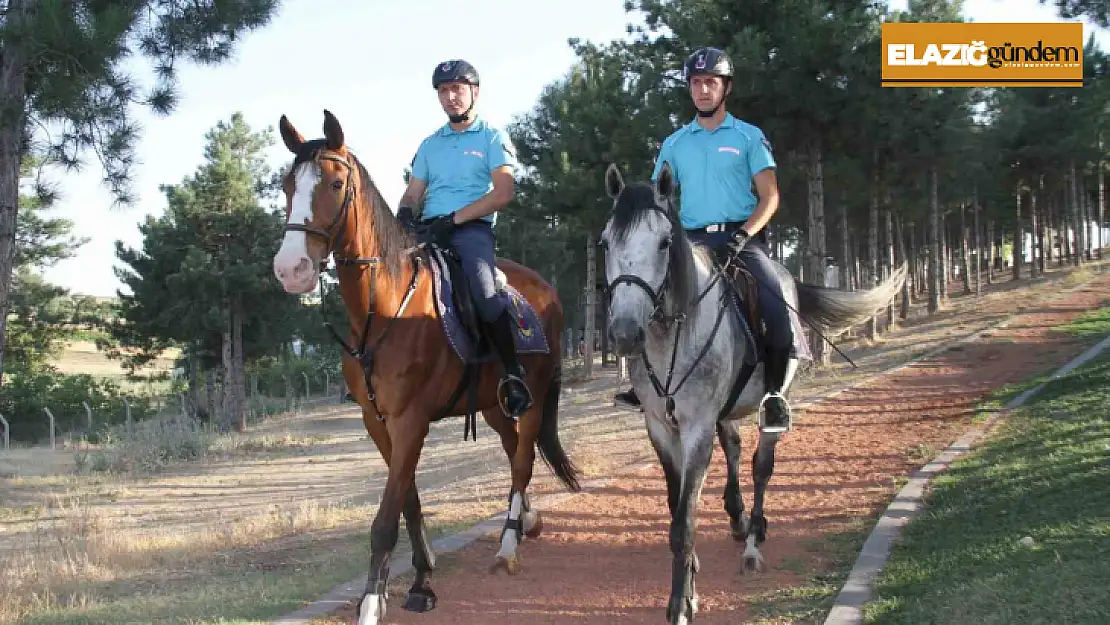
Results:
[977, 242]
[239, 360]
[873, 240]
[936, 263]
[1019, 235]
[1085, 218]
[1036, 266]
[890, 261]
[846, 281]
[13, 120]
[1077, 258]
[915, 261]
[965, 252]
[905, 285]
[815, 181]
[1101, 173]
[993, 251]
[591, 305]
[227, 395]
[945, 256]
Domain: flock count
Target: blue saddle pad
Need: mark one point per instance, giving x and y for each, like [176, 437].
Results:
[529, 335]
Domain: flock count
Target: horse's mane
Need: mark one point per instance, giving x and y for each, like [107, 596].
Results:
[390, 238]
[639, 199]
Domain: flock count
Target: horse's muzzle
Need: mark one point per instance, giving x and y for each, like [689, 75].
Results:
[627, 335]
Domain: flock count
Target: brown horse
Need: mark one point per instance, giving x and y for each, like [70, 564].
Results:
[398, 363]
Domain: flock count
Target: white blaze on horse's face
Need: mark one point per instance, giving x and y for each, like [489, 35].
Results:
[292, 264]
[643, 251]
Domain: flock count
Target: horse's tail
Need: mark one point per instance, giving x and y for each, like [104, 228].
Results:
[551, 449]
[835, 309]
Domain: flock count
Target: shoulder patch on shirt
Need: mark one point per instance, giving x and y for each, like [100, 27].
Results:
[767, 144]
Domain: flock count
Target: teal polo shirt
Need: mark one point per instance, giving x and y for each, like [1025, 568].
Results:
[714, 170]
[456, 166]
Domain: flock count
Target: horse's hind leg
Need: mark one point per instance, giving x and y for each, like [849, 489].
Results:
[421, 597]
[763, 466]
[728, 433]
[520, 519]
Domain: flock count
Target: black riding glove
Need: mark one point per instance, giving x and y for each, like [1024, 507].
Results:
[737, 242]
[440, 231]
[407, 218]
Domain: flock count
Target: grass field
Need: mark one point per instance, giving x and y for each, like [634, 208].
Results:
[1018, 531]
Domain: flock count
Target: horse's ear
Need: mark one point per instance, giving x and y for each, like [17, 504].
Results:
[333, 132]
[664, 183]
[289, 135]
[614, 181]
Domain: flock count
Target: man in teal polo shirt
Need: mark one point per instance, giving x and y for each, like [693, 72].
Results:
[463, 172]
[717, 160]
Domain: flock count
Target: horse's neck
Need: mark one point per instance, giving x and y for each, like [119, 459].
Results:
[370, 288]
[699, 320]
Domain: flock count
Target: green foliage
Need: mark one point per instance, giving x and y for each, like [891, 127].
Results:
[207, 253]
[75, 82]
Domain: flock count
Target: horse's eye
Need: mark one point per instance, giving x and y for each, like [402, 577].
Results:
[337, 185]
[664, 244]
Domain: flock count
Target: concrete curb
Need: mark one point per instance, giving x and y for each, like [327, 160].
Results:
[909, 502]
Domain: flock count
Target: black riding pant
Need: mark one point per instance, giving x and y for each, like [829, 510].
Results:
[757, 259]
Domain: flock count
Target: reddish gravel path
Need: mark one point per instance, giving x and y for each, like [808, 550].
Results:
[604, 559]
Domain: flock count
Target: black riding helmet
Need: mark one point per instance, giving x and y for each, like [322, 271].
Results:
[455, 69]
[708, 60]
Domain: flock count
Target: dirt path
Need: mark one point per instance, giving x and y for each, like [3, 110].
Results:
[604, 556]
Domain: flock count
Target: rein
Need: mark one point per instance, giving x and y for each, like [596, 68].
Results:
[363, 354]
[658, 316]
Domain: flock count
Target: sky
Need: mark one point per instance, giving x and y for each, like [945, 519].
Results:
[381, 93]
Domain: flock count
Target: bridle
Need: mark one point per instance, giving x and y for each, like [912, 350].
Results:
[332, 235]
[658, 316]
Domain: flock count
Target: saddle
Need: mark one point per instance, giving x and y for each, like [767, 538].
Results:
[746, 300]
[465, 332]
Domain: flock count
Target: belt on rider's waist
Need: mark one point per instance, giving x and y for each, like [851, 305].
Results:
[728, 226]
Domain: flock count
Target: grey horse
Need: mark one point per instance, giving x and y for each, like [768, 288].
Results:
[669, 315]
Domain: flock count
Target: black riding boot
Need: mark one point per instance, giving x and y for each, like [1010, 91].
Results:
[512, 392]
[780, 367]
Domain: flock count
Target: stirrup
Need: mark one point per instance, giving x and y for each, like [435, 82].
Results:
[775, 429]
[501, 396]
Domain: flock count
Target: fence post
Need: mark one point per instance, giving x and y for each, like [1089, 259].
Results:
[327, 383]
[53, 445]
[127, 413]
[184, 408]
[7, 432]
[307, 387]
[88, 415]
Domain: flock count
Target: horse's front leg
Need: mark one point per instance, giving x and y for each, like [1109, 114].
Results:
[421, 597]
[407, 434]
[763, 466]
[728, 433]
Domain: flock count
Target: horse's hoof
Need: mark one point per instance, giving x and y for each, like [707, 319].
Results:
[739, 533]
[420, 600]
[753, 564]
[685, 615]
[537, 527]
[510, 565]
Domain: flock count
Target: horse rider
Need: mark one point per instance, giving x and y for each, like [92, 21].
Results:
[463, 173]
[716, 160]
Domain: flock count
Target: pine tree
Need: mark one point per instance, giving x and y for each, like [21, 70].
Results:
[61, 68]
